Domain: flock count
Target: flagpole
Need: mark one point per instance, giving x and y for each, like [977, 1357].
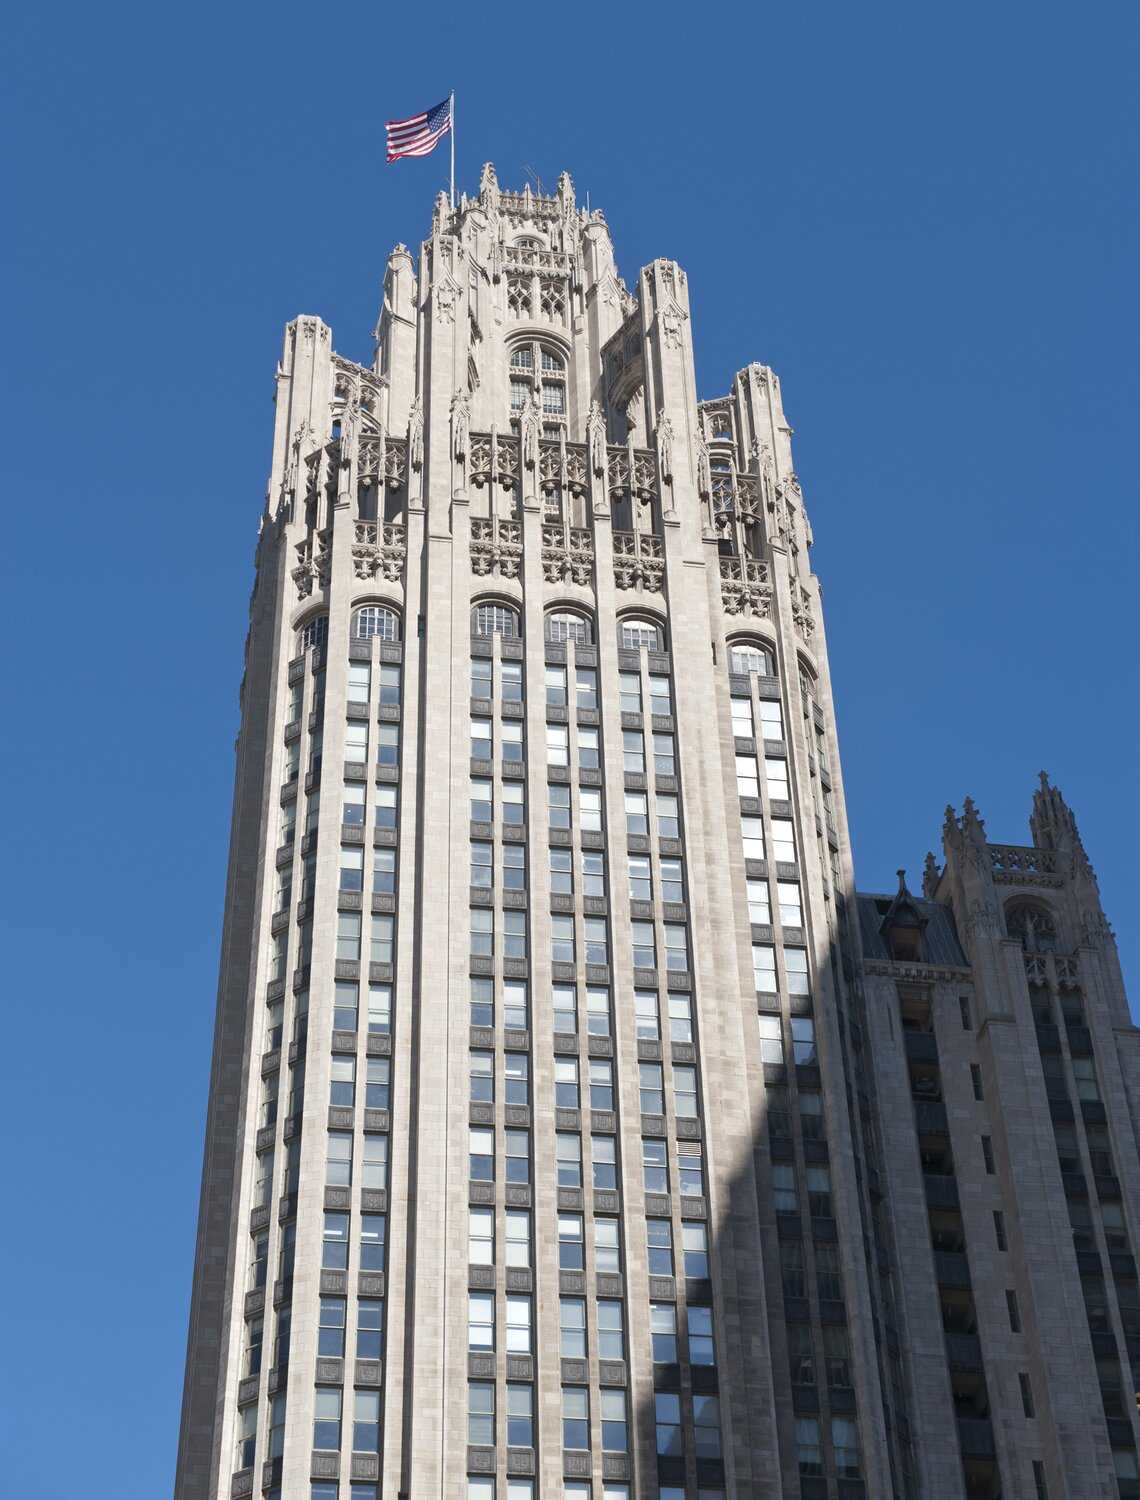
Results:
[452, 148]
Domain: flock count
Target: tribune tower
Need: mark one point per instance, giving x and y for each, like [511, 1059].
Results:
[545, 1150]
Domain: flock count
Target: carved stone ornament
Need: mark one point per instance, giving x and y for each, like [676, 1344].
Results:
[596, 438]
[704, 469]
[416, 434]
[313, 564]
[567, 555]
[444, 297]
[802, 617]
[460, 425]
[639, 561]
[672, 325]
[531, 426]
[745, 588]
[379, 550]
[931, 875]
[665, 444]
[496, 546]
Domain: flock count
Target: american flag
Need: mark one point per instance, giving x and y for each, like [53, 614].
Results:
[419, 134]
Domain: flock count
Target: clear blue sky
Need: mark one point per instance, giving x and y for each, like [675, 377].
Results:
[924, 217]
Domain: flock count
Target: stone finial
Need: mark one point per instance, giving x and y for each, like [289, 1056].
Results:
[1052, 824]
[951, 833]
[972, 825]
[488, 186]
[566, 194]
[931, 875]
[596, 437]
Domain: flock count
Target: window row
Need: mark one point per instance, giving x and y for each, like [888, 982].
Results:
[493, 618]
[795, 968]
[328, 1408]
[783, 839]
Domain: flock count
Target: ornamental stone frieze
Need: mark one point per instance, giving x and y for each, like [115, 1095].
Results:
[496, 547]
[379, 550]
[567, 554]
[314, 560]
[745, 588]
[639, 561]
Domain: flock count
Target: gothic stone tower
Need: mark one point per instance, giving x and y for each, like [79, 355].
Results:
[544, 1153]
[1009, 1081]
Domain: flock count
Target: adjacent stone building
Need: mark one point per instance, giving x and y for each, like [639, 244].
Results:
[574, 1129]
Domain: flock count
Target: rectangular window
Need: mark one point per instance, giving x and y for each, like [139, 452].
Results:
[706, 1426]
[819, 1197]
[334, 1245]
[558, 806]
[565, 1008]
[1026, 1394]
[481, 739]
[356, 742]
[640, 878]
[764, 968]
[571, 1244]
[514, 1004]
[660, 695]
[783, 841]
[569, 1160]
[481, 1236]
[654, 1168]
[601, 1084]
[988, 1154]
[1013, 1310]
[644, 945]
[796, 968]
[359, 681]
[518, 1155]
[695, 1246]
[379, 1009]
[702, 1345]
[566, 1082]
[572, 1327]
[803, 1041]
[520, 1417]
[668, 816]
[482, 866]
[741, 710]
[575, 1417]
[771, 720]
[596, 940]
[611, 1329]
[481, 1413]
[375, 1169]
[511, 738]
[481, 1154]
[514, 803]
[759, 911]
[386, 807]
[388, 745]
[636, 813]
[752, 837]
[389, 685]
[667, 1427]
[514, 934]
[330, 1330]
[557, 745]
[586, 688]
[690, 1169]
[629, 692]
[482, 1002]
[597, 1011]
[514, 867]
[652, 1089]
[511, 681]
[976, 1080]
[556, 687]
[788, 895]
[999, 1229]
[607, 1246]
[659, 1244]
[809, 1455]
[481, 677]
[326, 1417]
[811, 1116]
[342, 1081]
[785, 1199]
[384, 871]
[372, 1241]
[594, 875]
[603, 1160]
[633, 749]
[685, 1093]
[964, 1008]
[482, 932]
[615, 1427]
[664, 755]
[562, 949]
[366, 1415]
[845, 1443]
[480, 1322]
[645, 1009]
[672, 880]
[338, 1160]
[383, 934]
[676, 946]
[747, 776]
[680, 1017]
[589, 749]
[776, 778]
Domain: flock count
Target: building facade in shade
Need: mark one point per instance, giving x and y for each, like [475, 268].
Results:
[574, 1130]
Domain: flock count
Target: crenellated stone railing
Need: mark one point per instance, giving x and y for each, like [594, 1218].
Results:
[1008, 858]
[379, 550]
[639, 561]
[567, 554]
[745, 587]
[496, 547]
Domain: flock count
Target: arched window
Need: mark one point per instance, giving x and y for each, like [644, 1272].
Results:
[495, 619]
[375, 619]
[540, 369]
[1033, 925]
[562, 625]
[747, 657]
[720, 426]
[634, 633]
[314, 632]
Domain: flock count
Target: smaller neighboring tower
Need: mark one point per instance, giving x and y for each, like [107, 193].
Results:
[1008, 1075]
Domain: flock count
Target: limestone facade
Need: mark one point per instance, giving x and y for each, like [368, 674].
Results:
[561, 1140]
